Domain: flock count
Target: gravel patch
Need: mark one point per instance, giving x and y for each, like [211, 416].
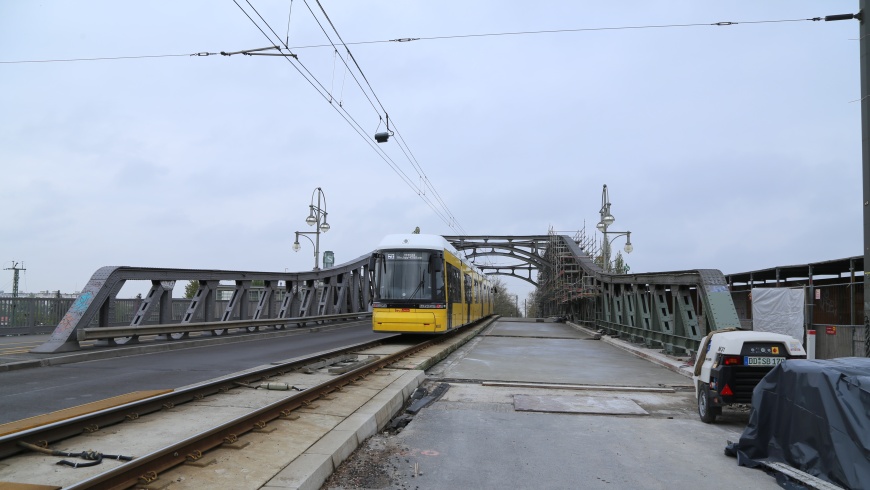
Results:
[379, 463]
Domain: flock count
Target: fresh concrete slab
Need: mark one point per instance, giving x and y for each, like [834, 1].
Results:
[577, 404]
[537, 431]
[676, 404]
[548, 360]
[536, 329]
[485, 447]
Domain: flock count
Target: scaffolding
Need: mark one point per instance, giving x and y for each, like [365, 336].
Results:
[565, 282]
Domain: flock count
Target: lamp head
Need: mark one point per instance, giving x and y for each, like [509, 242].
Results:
[608, 219]
[324, 227]
[296, 245]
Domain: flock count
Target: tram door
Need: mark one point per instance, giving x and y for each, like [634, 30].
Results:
[454, 293]
[467, 299]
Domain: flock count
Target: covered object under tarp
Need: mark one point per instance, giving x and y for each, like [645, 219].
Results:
[813, 416]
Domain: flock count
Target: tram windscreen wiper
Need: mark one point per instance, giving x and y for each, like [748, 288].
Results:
[422, 281]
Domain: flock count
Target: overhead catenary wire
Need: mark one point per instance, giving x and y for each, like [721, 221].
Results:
[562, 31]
[321, 89]
[405, 149]
[456, 36]
[109, 58]
[425, 182]
[450, 220]
[346, 48]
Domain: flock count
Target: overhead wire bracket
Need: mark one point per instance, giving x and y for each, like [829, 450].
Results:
[256, 52]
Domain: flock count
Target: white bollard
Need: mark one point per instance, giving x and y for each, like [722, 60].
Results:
[811, 344]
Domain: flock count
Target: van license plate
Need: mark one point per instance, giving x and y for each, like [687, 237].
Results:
[762, 361]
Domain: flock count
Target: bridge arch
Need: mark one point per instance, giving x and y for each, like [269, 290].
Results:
[527, 250]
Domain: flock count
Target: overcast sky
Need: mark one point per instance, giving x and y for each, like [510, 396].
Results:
[728, 147]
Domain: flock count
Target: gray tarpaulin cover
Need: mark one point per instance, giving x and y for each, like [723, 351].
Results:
[778, 310]
[813, 416]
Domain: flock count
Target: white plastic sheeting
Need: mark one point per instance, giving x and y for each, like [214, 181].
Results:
[778, 310]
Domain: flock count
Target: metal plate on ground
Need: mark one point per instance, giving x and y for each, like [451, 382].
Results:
[577, 404]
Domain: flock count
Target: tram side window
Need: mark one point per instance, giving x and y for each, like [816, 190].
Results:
[454, 284]
[467, 288]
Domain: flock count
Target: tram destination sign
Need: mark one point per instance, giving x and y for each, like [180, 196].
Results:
[405, 256]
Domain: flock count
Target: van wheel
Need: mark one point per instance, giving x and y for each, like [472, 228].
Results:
[705, 411]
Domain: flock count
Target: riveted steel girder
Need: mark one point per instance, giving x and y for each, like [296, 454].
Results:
[670, 310]
[341, 289]
[528, 250]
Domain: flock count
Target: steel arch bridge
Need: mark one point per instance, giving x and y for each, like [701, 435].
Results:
[528, 250]
[668, 310]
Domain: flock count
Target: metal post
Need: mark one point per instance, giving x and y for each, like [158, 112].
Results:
[605, 211]
[317, 235]
[865, 164]
[317, 218]
[15, 270]
[809, 311]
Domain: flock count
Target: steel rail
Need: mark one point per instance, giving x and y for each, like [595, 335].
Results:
[146, 468]
[46, 434]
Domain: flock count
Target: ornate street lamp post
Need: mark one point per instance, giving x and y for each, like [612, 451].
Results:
[607, 219]
[317, 218]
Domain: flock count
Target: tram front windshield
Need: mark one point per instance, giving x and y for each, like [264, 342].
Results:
[406, 275]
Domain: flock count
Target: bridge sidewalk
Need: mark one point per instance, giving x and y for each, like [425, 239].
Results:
[680, 365]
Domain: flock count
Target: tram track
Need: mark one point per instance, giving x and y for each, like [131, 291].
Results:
[144, 468]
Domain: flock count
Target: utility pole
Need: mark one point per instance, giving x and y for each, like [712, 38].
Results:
[865, 161]
[864, 53]
[15, 270]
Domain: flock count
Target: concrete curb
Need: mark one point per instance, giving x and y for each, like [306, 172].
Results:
[15, 366]
[651, 355]
[311, 469]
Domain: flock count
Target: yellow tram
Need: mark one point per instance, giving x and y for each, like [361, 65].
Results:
[423, 285]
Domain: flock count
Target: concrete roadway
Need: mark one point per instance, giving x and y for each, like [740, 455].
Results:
[475, 436]
[36, 391]
[614, 421]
